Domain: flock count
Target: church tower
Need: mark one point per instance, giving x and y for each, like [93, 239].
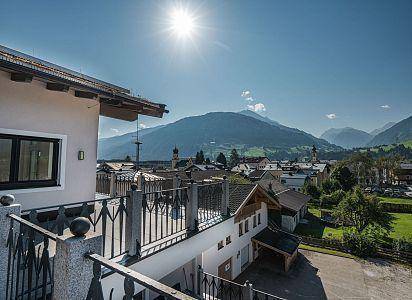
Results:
[175, 157]
[314, 155]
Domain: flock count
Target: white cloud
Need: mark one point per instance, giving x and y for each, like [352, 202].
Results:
[386, 106]
[258, 107]
[250, 99]
[246, 94]
[142, 126]
[331, 116]
[115, 130]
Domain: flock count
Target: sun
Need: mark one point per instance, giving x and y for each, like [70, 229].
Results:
[182, 23]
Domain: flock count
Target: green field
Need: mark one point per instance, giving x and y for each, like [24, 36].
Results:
[316, 228]
[402, 227]
[395, 200]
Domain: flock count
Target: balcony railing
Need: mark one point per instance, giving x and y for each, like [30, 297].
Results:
[211, 287]
[30, 270]
[130, 279]
[107, 216]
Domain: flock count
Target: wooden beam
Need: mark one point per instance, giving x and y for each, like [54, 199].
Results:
[21, 77]
[111, 101]
[84, 94]
[59, 87]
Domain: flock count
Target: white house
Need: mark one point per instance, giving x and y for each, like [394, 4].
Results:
[49, 119]
[294, 181]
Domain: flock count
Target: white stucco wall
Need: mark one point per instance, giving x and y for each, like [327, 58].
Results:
[213, 258]
[31, 107]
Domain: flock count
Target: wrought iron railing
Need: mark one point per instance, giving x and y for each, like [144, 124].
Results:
[107, 216]
[163, 214]
[130, 279]
[209, 201]
[213, 287]
[30, 268]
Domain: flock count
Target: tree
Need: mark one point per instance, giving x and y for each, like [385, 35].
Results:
[362, 211]
[207, 161]
[221, 158]
[128, 158]
[237, 179]
[344, 176]
[362, 164]
[200, 158]
[329, 186]
[234, 158]
[312, 190]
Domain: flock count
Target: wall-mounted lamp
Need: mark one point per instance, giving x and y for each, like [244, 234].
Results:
[80, 155]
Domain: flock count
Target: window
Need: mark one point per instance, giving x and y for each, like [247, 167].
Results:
[254, 221]
[27, 162]
[240, 229]
[228, 240]
[259, 219]
[246, 225]
[220, 245]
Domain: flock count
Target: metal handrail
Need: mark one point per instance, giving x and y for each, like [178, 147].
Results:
[225, 280]
[166, 191]
[267, 295]
[139, 278]
[35, 227]
[74, 203]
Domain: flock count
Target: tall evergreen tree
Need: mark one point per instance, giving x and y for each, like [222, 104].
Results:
[234, 158]
[221, 158]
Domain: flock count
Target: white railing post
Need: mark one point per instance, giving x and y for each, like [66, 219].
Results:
[73, 273]
[7, 207]
[192, 207]
[176, 182]
[133, 236]
[113, 184]
[248, 291]
[225, 211]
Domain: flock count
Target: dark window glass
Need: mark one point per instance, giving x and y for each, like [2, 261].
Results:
[258, 219]
[254, 221]
[220, 245]
[228, 240]
[240, 229]
[27, 162]
[246, 225]
[5, 159]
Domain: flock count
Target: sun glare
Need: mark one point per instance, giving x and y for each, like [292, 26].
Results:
[182, 23]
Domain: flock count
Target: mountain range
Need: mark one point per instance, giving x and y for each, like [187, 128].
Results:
[350, 138]
[248, 132]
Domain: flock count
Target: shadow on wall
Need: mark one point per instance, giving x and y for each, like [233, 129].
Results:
[301, 282]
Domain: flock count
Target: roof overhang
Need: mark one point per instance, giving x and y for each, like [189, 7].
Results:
[115, 102]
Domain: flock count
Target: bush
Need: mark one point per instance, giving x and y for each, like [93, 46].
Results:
[401, 244]
[311, 190]
[362, 244]
[334, 198]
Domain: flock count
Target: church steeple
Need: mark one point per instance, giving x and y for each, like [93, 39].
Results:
[314, 155]
[175, 157]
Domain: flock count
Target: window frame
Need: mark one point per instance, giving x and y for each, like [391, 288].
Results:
[259, 222]
[228, 240]
[254, 221]
[240, 229]
[14, 183]
[246, 226]
[220, 245]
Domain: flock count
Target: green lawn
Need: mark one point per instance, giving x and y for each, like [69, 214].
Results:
[402, 226]
[395, 200]
[316, 228]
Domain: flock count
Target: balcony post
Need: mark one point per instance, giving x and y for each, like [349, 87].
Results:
[133, 236]
[199, 282]
[6, 208]
[247, 291]
[176, 182]
[192, 207]
[113, 184]
[141, 183]
[225, 211]
[73, 273]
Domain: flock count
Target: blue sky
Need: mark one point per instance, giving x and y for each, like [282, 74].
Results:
[303, 60]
